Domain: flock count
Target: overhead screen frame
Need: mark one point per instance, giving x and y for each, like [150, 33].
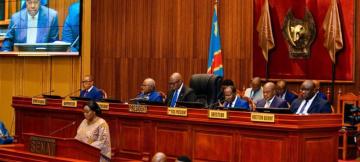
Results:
[50, 54]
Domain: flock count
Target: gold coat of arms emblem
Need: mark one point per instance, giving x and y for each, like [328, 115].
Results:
[299, 34]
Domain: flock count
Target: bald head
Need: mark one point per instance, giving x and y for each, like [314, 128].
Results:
[281, 87]
[308, 89]
[148, 85]
[175, 81]
[269, 90]
[159, 157]
[317, 85]
[150, 82]
[176, 76]
[256, 83]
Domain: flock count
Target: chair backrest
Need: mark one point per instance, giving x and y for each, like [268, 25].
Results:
[206, 87]
[252, 105]
[348, 98]
[104, 93]
[163, 95]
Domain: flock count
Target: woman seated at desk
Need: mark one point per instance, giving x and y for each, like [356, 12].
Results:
[94, 130]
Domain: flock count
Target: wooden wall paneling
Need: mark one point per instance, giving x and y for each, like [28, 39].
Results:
[7, 89]
[35, 123]
[207, 144]
[156, 38]
[159, 37]
[316, 147]
[56, 125]
[65, 70]
[130, 138]
[173, 139]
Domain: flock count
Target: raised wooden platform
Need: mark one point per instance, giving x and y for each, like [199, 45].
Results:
[291, 138]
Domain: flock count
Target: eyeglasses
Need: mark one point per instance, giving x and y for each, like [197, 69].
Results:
[86, 81]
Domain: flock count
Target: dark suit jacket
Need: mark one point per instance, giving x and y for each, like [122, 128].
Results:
[276, 103]
[319, 105]
[186, 94]
[322, 95]
[290, 97]
[94, 94]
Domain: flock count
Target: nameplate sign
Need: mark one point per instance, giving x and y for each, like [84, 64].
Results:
[263, 117]
[42, 145]
[218, 114]
[38, 101]
[177, 111]
[103, 105]
[137, 108]
[69, 103]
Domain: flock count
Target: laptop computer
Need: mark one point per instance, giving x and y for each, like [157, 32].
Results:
[146, 102]
[190, 104]
[232, 108]
[42, 47]
[80, 98]
[111, 100]
[52, 96]
[273, 110]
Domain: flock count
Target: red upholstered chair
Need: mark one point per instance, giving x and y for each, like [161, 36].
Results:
[251, 103]
[346, 149]
[163, 95]
[104, 93]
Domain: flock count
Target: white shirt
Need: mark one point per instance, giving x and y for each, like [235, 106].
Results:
[32, 28]
[233, 103]
[283, 95]
[255, 97]
[268, 103]
[90, 89]
[307, 106]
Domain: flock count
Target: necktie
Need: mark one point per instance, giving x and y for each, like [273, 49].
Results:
[227, 104]
[86, 92]
[173, 100]
[303, 107]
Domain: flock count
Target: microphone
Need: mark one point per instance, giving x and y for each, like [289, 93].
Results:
[63, 128]
[72, 92]
[43, 93]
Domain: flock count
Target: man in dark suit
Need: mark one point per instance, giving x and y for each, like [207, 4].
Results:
[284, 93]
[178, 91]
[270, 99]
[90, 91]
[224, 84]
[317, 90]
[310, 102]
[232, 100]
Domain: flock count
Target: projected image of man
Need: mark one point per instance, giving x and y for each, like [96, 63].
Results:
[71, 28]
[34, 24]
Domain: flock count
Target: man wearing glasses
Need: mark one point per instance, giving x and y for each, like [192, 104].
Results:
[90, 91]
[35, 24]
[178, 91]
